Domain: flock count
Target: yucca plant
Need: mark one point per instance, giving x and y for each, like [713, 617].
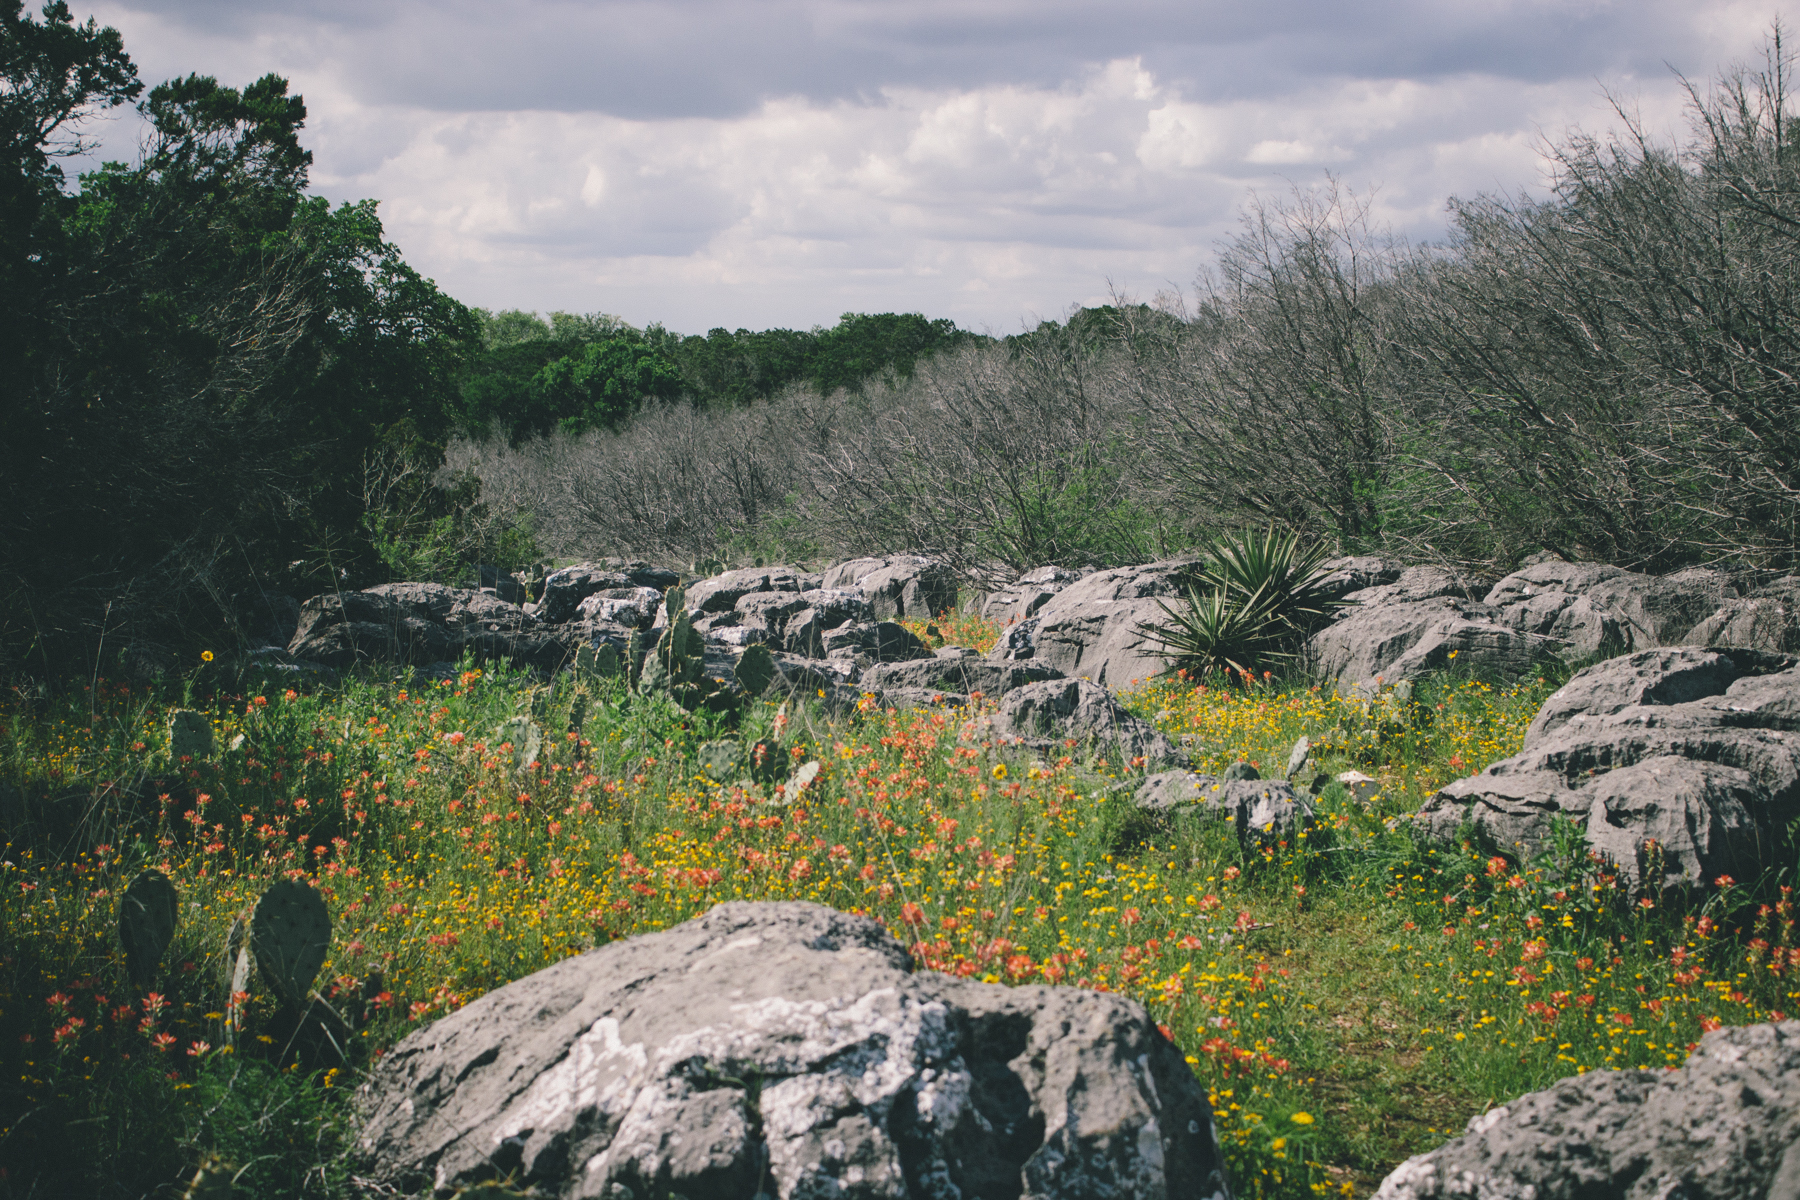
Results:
[1249, 604]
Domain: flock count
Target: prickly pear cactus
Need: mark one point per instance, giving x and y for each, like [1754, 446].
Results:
[525, 738]
[190, 735]
[637, 652]
[674, 600]
[768, 762]
[790, 791]
[242, 963]
[148, 913]
[597, 662]
[719, 761]
[756, 670]
[290, 933]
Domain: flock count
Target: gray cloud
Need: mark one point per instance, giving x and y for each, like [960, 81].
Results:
[759, 162]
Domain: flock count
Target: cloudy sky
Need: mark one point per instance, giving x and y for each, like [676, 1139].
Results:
[764, 163]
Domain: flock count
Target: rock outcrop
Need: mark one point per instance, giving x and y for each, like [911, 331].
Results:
[1060, 710]
[1724, 1127]
[1091, 628]
[1260, 810]
[955, 672]
[1408, 622]
[565, 589]
[900, 586]
[789, 1050]
[1694, 750]
[421, 623]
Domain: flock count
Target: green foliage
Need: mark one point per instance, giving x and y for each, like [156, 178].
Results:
[602, 385]
[1247, 607]
[199, 356]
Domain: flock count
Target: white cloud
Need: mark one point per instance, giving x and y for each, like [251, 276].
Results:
[778, 164]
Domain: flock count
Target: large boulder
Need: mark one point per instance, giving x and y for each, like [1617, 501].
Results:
[421, 623]
[1260, 810]
[1724, 1127]
[955, 673]
[899, 586]
[1590, 608]
[1091, 629]
[1694, 750]
[1767, 618]
[565, 589]
[1414, 620]
[1025, 595]
[1064, 709]
[1408, 639]
[788, 1050]
[720, 593]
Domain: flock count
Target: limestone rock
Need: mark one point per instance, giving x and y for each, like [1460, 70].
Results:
[1695, 750]
[720, 593]
[1412, 638]
[421, 623]
[1090, 629]
[565, 589]
[1025, 595]
[1724, 1127]
[898, 586]
[1261, 810]
[792, 1048]
[1075, 708]
[964, 675]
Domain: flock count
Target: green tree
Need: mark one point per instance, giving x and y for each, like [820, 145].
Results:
[206, 355]
[604, 384]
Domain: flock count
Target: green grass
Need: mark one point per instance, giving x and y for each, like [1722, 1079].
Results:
[1348, 999]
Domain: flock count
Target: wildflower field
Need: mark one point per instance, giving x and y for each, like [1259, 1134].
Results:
[1348, 998]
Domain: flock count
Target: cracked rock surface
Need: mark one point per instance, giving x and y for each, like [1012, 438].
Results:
[788, 1049]
[1724, 1127]
[1694, 750]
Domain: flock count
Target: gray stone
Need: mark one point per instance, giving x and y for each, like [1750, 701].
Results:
[1591, 608]
[1090, 629]
[768, 614]
[421, 623]
[1766, 619]
[1261, 810]
[1086, 712]
[632, 607]
[791, 1048]
[1025, 595]
[1241, 771]
[1421, 583]
[566, 588]
[898, 586]
[1410, 639]
[1017, 642]
[1409, 625]
[964, 675]
[1696, 751]
[720, 593]
[1356, 573]
[1297, 757]
[1726, 1126]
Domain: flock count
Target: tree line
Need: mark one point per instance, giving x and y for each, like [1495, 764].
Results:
[220, 389]
[1607, 371]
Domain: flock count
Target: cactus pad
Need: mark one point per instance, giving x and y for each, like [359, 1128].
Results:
[719, 761]
[148, 913]
[290, 933]
[597, 662]
[190, 735]
[524, 737]
[768, 761]
[755, 671]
